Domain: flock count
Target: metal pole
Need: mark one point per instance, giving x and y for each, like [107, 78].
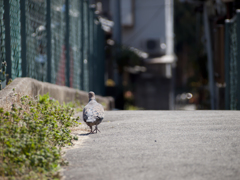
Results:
[82, 45]
[169, 48]
[86, 46]
[117, 34]
[7, 38]
[91, 45]
[227, 63]
[49, 44]
[117, 37]
[238, 59]
[102, 55]
[23, 38]
[209, 56]
[67, 68]
[169, 26]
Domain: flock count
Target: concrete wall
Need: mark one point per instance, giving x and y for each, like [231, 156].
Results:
[32, 87]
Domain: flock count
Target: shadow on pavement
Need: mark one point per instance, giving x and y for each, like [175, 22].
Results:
[84, 134]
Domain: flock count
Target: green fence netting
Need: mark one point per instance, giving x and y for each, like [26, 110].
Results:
[36, 41]
[75, 42]
[2, 43]
[58, 30]
[58, 41]
[15, 27]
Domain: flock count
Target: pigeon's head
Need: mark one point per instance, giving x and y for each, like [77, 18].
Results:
[91, 95]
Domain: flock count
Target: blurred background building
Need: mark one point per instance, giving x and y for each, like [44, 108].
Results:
[155, 54]
[146, 31]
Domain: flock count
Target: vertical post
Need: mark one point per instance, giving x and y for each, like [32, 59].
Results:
[227, 64]
[209, 56]
[98, 58]
[91, 45]
[102, 62]
[117, 37]
[49, 44]
[169, 26]
[7, 38]
[86, 46]
[67, 44]
[23, 38]
[82, 45]
[238, 59]
[170, 48]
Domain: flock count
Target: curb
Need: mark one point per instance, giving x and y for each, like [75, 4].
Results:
[32, 87]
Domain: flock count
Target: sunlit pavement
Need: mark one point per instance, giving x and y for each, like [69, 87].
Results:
[160, 145]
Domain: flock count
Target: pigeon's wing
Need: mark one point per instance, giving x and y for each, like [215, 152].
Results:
[99, 111]
[87, 113]
[93, 111]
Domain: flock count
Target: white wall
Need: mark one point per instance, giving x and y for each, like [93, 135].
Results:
[149, 23]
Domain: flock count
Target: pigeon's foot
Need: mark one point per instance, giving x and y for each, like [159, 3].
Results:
[91, 132]
[96, 129]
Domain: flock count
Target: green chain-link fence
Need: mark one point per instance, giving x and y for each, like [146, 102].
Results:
[2, 46]
[58, 41]
[232, 63]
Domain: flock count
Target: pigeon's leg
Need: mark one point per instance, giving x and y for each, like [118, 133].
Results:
[91, 130]
[96, 129]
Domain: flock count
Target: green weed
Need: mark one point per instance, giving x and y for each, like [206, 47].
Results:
[31, 137]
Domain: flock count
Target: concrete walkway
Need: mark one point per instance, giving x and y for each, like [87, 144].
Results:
[160, 145]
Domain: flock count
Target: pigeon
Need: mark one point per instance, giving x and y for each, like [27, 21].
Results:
[93, 113]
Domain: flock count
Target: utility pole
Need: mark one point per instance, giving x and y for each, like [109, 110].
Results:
[170, 49]
[169, 27]
[117, 37]
[209, 57]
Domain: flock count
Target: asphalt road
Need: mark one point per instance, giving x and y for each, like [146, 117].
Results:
[160, 145]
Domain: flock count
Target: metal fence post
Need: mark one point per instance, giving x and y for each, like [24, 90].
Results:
[82, 45]
[227, 64]
[102, 48]
[49, 43]
[92, 58]
[101, 60]
[23, 39]
[86, 46]
[67, 68]
[209, 57]
[96, 57]
[238, 59]
[7, 38]
[90, 49]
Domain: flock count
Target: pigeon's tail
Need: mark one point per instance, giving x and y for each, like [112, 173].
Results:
[90, 119]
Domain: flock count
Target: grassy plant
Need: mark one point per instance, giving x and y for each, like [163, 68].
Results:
[31, 137]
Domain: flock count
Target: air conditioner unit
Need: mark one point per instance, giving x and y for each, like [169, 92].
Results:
[153, 47]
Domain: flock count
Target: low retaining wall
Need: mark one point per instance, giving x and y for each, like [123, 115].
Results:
[32, 87]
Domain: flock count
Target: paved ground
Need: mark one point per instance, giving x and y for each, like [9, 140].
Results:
[160, 145]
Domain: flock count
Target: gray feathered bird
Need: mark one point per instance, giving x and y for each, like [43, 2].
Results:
[93, 113]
